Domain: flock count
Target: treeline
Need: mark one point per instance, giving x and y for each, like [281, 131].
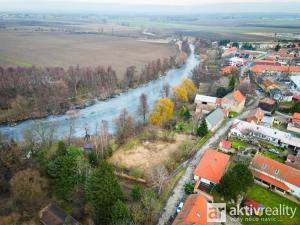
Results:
[37, 92]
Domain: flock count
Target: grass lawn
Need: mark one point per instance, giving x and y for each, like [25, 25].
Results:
[237, 143]
[270, 199]
[273, 156]
[232, 114]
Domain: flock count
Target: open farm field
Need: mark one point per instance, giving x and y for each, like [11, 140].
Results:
[27, 48]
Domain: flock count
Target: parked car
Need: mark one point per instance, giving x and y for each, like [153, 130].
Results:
[273, 151]
[179, 207]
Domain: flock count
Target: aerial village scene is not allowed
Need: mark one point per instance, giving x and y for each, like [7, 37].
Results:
[151, 112]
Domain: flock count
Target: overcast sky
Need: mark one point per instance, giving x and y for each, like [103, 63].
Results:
[145, 2]
[94, 5]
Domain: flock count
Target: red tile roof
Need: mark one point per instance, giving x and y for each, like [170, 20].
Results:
[193, 212]
[238, 96]
[228, 70]
[276, 169]
[212, 165]
[296, 118]
[225, 144]
[256, 116]
[270, 180]
[263, 68]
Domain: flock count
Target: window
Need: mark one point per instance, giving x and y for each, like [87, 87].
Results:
[264, 166]
[277, 171]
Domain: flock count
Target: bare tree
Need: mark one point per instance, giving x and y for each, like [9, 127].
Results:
[124, 127]
[159, 178]
[165, 91]
[143, 108]
[101, 140]
[72, 116]
[44, 133]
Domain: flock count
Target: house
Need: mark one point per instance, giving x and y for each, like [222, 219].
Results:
[54, 215]
[266, 62]
[228, 70]
[256, 116]
[206, 104]
[250, 131]
[209, 171]
[215, 119]
[234, 101]
[259, 69]
[269, 84]
[229, 52]
[294, 126]
[225, 146]
[267, 121]
[295, 83]
[194, 211]
[293, 160]
[267, 104]
[275, 175]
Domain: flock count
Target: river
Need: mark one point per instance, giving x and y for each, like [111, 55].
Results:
[105, 110]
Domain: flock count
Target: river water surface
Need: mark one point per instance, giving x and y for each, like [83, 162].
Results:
[106, 110]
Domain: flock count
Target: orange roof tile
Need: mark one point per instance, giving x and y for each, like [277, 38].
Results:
[228, 70]
[276, 169]
[256, 116]
[238, 96]
[270, 180]
[263, 68]
[296, 118]
[212, 165]
[193, 212]
[268, 83]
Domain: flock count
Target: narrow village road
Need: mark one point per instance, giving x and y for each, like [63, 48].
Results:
[178, 191]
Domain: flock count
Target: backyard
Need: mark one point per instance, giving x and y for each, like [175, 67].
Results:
[270, 199]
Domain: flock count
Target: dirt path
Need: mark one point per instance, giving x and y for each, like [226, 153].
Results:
[178, 192]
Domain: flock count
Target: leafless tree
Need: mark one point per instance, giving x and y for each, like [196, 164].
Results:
[159, 178]
[101, 140]
[72, 116]
[165, 91]
[124, 126]
[143, 108]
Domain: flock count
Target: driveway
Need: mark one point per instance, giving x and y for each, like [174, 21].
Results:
[178, 192]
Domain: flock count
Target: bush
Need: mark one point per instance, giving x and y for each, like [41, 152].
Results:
[136, 192]
[189, 188]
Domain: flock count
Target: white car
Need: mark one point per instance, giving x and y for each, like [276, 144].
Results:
[179, 207]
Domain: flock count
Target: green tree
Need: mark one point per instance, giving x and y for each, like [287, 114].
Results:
[277, 47]
[103, 191]
[232, 83]
[184, 112]
[235, 44]
[296, 107]
[202, 129]
[136, 192]
[119, 212]
[61, 149]
[221, 92]
[189, 188]
[67, 171]
[229, 187]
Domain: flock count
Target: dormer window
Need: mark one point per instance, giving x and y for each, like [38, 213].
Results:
[264, 166]
[277, 171]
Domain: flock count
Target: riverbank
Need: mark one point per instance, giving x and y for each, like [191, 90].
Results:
[105, 110]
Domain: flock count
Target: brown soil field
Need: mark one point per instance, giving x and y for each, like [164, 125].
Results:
[26, 48]
[147, 155]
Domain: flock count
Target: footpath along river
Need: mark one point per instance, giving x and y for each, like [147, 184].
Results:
[105, 110]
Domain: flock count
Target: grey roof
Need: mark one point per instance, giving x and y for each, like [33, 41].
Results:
[215, 117]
